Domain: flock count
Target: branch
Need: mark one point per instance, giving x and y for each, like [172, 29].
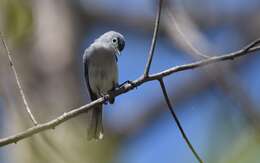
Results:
[154, 39]
[125, 88]
[178, 122]
[251, 46]
[224, 76]
[230, 56]
[18, 80]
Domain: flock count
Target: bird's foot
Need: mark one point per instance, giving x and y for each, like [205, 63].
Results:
[106, 99]
[110, 99]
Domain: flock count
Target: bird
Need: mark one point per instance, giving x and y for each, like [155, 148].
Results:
[101, 75]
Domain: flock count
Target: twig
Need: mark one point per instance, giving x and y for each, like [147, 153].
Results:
[251, 45]
[127, 87]
[154, 39]
[178, 122]
[146, 75]
[223, 75]
[18, 80]
[204, 62]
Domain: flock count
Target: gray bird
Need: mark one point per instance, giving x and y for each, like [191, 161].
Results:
[101, 75]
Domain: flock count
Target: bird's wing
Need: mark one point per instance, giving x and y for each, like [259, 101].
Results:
[95, 128]
[93, 96]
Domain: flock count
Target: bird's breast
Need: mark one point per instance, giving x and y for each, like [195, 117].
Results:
[103, 73]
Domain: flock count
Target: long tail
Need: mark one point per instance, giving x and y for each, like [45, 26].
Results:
[95, 127]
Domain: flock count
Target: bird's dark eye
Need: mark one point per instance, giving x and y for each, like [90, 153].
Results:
[114, 40]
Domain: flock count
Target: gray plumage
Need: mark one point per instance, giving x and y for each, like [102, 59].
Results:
[101, 75]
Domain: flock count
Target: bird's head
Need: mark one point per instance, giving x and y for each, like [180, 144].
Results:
[113, 39]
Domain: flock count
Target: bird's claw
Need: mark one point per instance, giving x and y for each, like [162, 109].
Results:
[105, 98]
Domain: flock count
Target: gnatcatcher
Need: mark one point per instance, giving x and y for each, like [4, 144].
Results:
[101, 75]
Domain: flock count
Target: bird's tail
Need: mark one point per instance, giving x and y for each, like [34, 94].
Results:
[95, 127]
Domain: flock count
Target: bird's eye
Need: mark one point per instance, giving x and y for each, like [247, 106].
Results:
[114, 40]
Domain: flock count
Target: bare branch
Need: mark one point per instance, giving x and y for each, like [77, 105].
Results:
[51, 124]
[224, 75]
[204, 62]
[178, 122]
[154, 39]
[251, 45]
[125, 88]
[18, 80]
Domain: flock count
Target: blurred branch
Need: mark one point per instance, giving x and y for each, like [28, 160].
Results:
[223, 76]
[154, 39]
[177, 31]
[124, 89]
[17, 80]
[178, 122]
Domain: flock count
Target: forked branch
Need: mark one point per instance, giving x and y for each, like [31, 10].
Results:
[124, 89]
[26, 105]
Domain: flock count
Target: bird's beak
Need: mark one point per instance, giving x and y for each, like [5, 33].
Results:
[118, 52]
[121, 44]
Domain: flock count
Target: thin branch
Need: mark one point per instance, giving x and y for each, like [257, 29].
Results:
[17, 80]
[51, 124]
[146, 74]
[125, 88]
[204, 62]
[154, 39]
[223, 75]
[178, 122]
[251, 45]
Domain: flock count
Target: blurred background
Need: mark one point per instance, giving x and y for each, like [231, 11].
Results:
[218, 105]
